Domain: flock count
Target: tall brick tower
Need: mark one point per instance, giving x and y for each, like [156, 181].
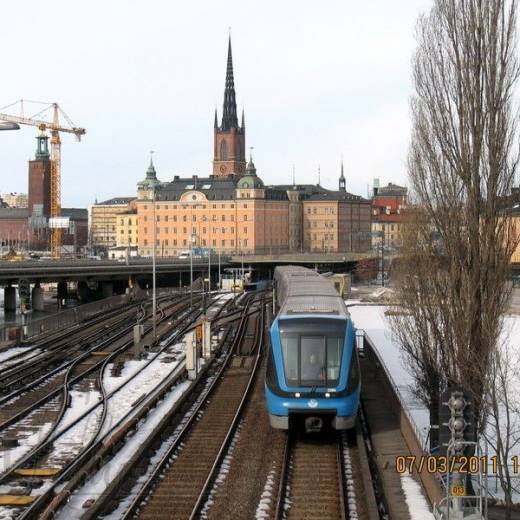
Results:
[39, 197]
[229, 139]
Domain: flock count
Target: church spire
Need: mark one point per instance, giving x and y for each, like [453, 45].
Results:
[342, 183]
[229, 114]
[215, 124]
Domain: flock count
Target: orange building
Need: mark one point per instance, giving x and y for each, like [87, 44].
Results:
[231, 211]
[225, 213]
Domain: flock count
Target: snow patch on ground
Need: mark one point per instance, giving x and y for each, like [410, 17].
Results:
[98, 483]
[79, 404]
[415, 500]
[9, 457]
[264, 506]
[7, 355]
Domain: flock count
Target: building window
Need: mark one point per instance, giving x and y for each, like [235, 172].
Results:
[232, 206]
[214, 206]
[204, 230]
[184, 230]
[145, 219]
[145, 206]
[174, 241]
[245, 217]
[184, 242]
[214, 242]
[145, 242]
[204, 242]
[245, 205]
[166, 230]
[245, 230]
[214, 218]
[223, 151]
[166, 242]
[232, 218]
[232, 243]
[223, 218]
[245, 242]
[175, 218]
[193, 230]
[166, 218]
[223, 230]
[314, 210]
[184, 218]
[175, 230]
[158, 218]
[194, 218]
[232, 230]
[223, 243]
[146, 230]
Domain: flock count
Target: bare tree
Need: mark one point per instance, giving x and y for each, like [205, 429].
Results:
[503, 421]
[462, 163]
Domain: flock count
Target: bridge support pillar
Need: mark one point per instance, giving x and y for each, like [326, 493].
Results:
[37, 298]
[9, 299]
[82, 291]
[63, 291]
[107, 289]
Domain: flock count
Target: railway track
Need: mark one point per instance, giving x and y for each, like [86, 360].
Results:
[49, 358]
[92, 424]
[320, 478]
[35, 394]
[181, 482]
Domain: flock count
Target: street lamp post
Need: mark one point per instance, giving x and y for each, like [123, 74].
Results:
[192, 240]
[219, 276]
[154, 302]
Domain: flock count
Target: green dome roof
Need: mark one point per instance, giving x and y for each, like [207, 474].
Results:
[151, 178]
[250, 179]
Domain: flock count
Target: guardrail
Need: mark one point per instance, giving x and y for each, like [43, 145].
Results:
[74, 316]
[416, 429]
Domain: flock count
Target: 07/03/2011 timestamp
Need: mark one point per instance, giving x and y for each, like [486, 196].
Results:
[462, 464]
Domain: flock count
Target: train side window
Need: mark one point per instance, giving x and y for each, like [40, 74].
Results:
[290, 358]
[334, 352]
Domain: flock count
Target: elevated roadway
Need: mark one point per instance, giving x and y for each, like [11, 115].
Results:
[100, 270]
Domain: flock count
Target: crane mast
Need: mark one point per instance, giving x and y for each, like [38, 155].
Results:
[55, 181]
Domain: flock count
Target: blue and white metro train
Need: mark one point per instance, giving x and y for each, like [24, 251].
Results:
[313, 377]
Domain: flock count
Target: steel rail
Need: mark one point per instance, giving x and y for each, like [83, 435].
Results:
[156, 472]
[48, 440]
[206, 488]
[98, 442]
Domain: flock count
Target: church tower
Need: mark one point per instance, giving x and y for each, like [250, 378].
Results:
[229, 138]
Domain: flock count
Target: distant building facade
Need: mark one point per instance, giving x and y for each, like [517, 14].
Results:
[15, 200]
[388, 215]
[26, 228]
[232, 211]
[103, 222]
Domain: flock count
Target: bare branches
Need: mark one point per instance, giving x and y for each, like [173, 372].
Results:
[462, 164]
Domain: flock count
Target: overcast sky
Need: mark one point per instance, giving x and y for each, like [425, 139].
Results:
[318, 80]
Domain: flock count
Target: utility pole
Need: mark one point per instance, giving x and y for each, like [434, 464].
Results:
[154, 302]
[191, 270]
[219, 278]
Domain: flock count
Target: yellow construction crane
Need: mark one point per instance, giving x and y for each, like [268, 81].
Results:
[55, 127]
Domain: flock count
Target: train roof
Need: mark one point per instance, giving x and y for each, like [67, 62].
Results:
[303, 291]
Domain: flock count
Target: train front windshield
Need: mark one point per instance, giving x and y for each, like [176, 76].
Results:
[312, 351]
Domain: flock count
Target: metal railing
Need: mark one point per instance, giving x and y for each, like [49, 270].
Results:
[69, 317]
[415, 427]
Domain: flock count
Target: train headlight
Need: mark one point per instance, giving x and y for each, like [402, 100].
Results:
[297, 394]
[327, 394]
